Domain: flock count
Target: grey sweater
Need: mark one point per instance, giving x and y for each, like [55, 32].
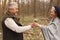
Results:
[52, 31]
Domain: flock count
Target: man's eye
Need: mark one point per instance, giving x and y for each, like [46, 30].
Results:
[11, 9]
[16, 8]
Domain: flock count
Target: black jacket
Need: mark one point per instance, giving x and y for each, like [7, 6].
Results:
[9, 34]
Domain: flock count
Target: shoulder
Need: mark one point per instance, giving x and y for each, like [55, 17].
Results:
[9, 19]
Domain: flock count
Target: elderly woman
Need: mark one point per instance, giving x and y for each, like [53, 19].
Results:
[52, 31]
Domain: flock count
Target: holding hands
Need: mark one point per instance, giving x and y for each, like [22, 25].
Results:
[34, 25]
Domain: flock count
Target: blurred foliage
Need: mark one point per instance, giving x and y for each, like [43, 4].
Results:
[28, 11]
[34, 33]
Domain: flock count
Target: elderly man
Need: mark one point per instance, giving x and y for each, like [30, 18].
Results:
[12, 29]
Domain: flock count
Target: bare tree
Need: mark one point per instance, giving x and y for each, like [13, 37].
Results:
[58, 2]
[34, 8]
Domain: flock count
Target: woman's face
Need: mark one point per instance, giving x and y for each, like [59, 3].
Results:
[52, 13]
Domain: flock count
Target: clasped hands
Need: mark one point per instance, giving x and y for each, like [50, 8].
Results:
[34, 25]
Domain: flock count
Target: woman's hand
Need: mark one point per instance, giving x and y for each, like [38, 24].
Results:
[34, 24]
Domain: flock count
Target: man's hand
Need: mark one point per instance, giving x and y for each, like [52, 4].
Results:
[34, 25]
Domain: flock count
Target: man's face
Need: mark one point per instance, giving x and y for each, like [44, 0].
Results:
[13, 10]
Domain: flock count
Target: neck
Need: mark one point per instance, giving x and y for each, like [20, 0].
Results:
[10, 14]
[54, 17]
